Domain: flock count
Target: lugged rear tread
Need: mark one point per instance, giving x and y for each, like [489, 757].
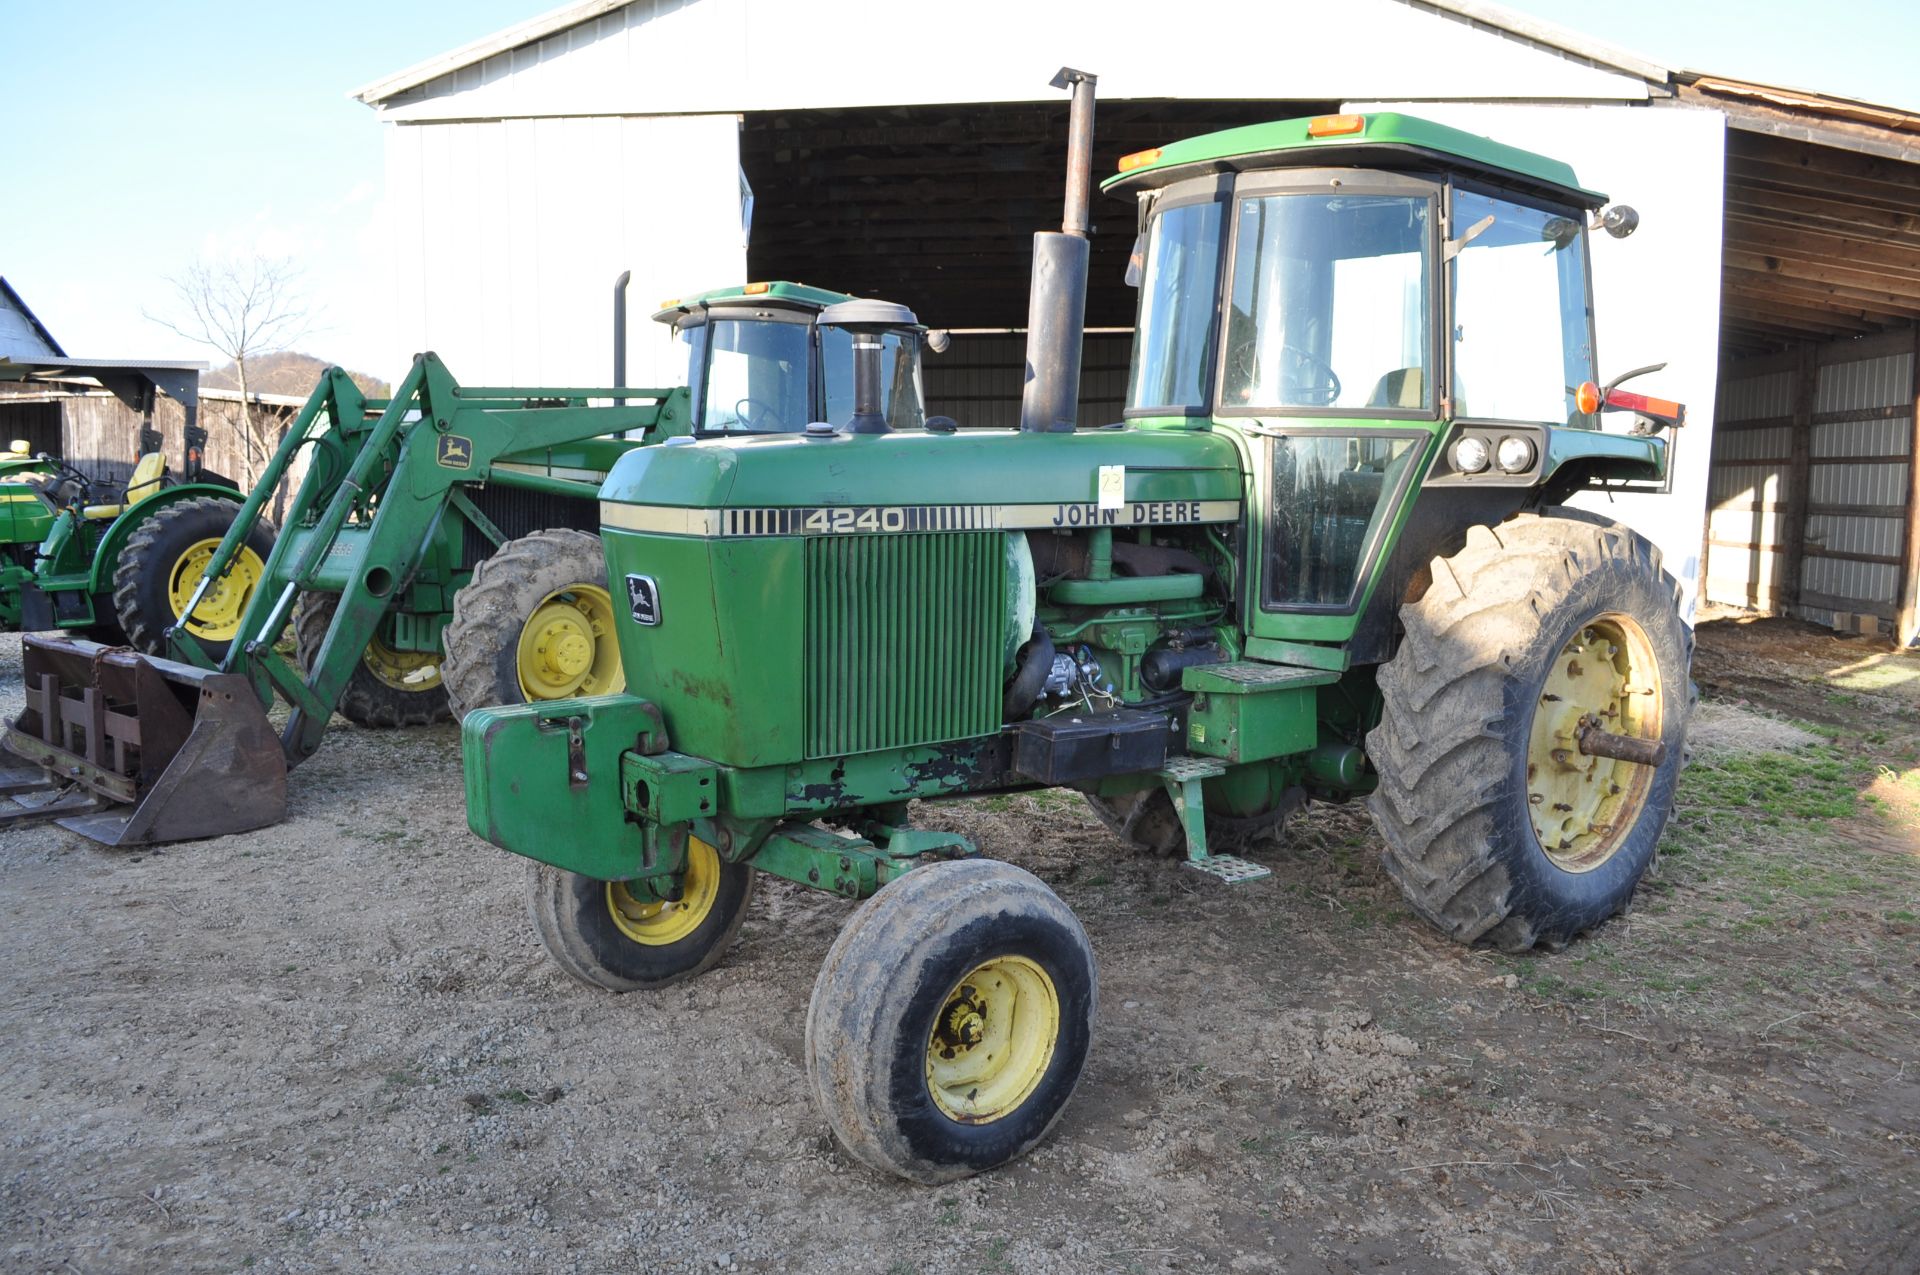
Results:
[1440, 747]
[144, 629]
[367, 700]
[493, 607]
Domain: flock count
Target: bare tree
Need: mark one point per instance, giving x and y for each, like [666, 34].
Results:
[241, 308]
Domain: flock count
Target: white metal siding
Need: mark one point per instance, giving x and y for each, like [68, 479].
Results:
[509, 234]
[1859, 434]
[1747, 491]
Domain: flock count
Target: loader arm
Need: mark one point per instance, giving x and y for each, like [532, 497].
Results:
[364, 535]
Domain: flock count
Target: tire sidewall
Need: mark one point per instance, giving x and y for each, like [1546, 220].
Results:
[1555, 900]
[641, 965]
[929, 1134]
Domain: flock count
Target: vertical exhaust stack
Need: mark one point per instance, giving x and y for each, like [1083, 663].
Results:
[1057, 308]
[620, 334]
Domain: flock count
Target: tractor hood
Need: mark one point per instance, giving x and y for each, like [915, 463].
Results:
[799, 598]
[992, 479]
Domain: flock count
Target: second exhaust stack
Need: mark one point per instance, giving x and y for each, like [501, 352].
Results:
[1057, 307]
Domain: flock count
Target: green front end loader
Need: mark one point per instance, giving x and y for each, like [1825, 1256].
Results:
[439, 554]
[1325, 556]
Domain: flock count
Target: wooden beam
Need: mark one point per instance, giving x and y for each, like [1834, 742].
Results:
[1907, 622]
[1812, 245]
[1763, 285]
[1793, 540]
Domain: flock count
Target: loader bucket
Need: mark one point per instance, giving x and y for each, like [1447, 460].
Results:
[175, 752]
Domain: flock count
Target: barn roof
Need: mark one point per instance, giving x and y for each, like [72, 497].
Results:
[716, 56]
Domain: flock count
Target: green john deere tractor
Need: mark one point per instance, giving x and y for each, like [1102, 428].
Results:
[25, 518]
[440, 553]
[122, 570]
[1323, 557]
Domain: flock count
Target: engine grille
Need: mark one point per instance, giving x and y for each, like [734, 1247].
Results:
[518, 512]
[904, 640]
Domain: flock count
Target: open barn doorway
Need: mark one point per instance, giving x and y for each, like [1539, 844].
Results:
[935, 207]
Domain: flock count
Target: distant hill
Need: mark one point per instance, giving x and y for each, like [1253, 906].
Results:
[288, 372]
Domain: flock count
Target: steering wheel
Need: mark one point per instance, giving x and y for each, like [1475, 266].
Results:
[750, 412]
[1323, 390]
[1294, 390]
[67, 485]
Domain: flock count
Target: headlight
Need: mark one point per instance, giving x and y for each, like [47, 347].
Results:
[1514, 454]
[1470, 455]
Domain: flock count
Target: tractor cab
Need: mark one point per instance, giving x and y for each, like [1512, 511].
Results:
[759, 360]
[1370, 302]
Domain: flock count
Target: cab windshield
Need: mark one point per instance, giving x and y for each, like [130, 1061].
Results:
[756, 375]
[1329, 304]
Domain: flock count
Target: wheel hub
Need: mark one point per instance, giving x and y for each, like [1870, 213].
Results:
[993, 1040]
[659, 922]
[217, 618]
[1581, 805]
[567, 646]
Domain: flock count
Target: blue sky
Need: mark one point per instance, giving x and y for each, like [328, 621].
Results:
[146, 135]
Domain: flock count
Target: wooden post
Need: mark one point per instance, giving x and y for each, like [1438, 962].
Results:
[1908, 624]
[1793, 519]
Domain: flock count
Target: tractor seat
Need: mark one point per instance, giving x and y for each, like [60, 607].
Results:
[1405, 387]
[144, 482]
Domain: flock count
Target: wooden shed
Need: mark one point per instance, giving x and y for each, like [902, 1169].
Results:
[1813, 496]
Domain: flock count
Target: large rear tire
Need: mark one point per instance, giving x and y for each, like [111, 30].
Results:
[951, 1020]
[1498, 828]
[389, 688]
[160, 567]
[535, 623]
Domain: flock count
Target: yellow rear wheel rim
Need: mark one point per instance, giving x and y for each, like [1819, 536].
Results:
[656, 922]
[402, 670]
[1583, 807]
[993, 1040]
[217, 618]
[568, 646]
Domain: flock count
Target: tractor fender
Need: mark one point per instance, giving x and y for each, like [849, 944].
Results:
[106, 556]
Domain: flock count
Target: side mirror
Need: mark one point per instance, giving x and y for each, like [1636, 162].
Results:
[1620, 220]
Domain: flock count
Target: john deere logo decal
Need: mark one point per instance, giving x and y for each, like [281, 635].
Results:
[643, 595]
[455, 452]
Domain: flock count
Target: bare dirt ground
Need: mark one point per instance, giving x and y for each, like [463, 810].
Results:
[337, 1045]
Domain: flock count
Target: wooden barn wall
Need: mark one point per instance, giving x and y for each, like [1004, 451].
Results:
[101, 436]
[979, 379]
[1810, 494]
[35, 423]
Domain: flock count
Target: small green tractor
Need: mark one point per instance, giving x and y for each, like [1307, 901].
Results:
[25, 518]
[440, 553]
[1324, 557]
[122, 570]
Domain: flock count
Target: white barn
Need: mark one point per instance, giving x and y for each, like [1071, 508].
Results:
[701, 143]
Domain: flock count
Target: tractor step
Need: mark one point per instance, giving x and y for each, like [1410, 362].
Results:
[1229, 868]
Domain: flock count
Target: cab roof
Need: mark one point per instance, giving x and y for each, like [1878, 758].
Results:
[1384, 139]
[793, 296]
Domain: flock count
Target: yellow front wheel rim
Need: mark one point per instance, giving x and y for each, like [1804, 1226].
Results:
[993, 1040]
[402, 670]
[657, 922]
[217, 618]
[567, 646]
[1583, 807]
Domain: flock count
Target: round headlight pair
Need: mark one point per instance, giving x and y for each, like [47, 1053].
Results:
[1473, 454]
